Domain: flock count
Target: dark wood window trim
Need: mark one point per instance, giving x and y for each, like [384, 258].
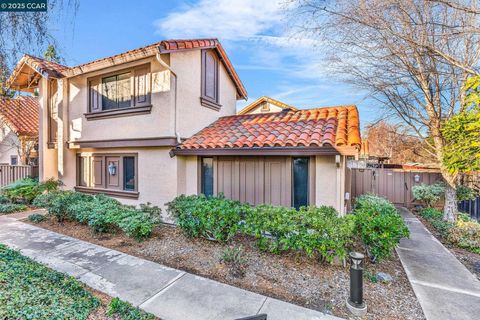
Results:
[140, 94]
[52, 130]
[87, 163]
[211, 102]
[132, 111]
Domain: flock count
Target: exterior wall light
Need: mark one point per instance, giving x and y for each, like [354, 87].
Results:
[416, 178]
[112, 169]
[337, 161]
[355, 303]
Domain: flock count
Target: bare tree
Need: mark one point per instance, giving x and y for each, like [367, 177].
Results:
[395, 142]
[29, 32]
[413, 56]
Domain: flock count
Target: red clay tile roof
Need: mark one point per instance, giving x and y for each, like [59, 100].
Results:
[58, 71]
[332, 126]
[20, 114]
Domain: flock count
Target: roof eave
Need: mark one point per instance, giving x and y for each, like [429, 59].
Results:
[271, 151]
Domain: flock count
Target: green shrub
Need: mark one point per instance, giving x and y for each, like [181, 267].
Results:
[214, 218]
[101, 213]
[37, 218]
[12, 207]
[28, 189]
[379, 226]
[465, 193]
[428, 194]
[466, 234]
[312, 230]
[234, 258]
[435, 218]
[125, 311]
[4, 199]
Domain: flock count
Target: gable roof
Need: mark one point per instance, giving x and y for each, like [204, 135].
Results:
[21, 115]
[264, 99]
[30, 69]
[322, 127]
[58, 71]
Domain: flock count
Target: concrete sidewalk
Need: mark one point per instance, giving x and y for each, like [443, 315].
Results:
[167, 293]
[443, 286]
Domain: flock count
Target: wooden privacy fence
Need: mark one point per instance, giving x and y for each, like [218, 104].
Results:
[9, 174]
[393, 184]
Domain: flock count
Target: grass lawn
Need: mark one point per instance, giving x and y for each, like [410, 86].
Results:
[29, 290]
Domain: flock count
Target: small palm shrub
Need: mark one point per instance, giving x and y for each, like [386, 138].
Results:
[379, 226]
[213, 218]
[429, 195]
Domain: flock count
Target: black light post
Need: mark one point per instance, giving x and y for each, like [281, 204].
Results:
[355, 302]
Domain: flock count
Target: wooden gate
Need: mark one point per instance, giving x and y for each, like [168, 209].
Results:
[10, 174]
[393, 184]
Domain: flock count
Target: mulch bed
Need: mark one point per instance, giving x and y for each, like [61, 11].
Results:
[290, 277]
[469, 259]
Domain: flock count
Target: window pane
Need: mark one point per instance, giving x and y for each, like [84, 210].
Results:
[124, 93]
[207, 176]
[109, 93]
[300, 182]
[129, 173]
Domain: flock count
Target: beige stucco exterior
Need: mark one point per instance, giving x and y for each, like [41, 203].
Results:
[176, 113]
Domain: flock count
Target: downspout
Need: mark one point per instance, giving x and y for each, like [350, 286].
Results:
[166, 66]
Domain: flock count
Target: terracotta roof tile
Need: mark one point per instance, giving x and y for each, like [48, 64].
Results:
[332, 126]
[20, 114]
[59, 71]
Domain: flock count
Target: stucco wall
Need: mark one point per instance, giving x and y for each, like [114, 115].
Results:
[330, 182]
[9, 143]
[48, 158]
[271, 108]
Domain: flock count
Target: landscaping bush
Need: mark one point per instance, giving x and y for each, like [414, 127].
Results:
[4, 199]
[125, 311]
[37, 218]
[214, 218]
[313, 230]
[465, 193]
[428, 194]
[466, 234]
[12, 207]
[101, 213]
[379, 226]
[26, 190]
[435, 218]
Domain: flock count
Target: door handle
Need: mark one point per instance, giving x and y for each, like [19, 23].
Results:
[406, 187]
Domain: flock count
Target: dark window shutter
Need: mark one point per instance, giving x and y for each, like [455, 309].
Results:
[142, 90]
[98, 172]
[95, 95]
[209, 75]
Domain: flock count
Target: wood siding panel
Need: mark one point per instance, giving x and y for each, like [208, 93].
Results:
[254, 180]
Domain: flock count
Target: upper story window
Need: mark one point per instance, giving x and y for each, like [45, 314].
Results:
[122, 90]
[210, 83]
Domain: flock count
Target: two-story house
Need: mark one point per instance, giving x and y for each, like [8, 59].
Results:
[152, 123]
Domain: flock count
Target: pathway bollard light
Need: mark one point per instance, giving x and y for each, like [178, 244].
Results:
[355, 302]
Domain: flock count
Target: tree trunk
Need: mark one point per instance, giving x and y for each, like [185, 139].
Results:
[450, 209]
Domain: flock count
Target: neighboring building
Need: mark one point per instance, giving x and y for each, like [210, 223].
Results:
[265, 105]
[18, 130]
[152, 123]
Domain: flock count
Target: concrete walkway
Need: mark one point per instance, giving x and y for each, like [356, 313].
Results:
[167, 293]
[443, 286]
